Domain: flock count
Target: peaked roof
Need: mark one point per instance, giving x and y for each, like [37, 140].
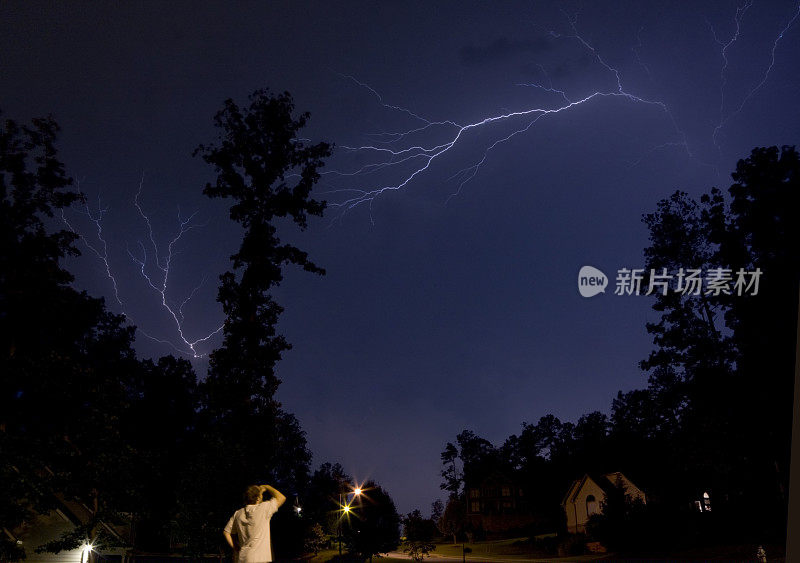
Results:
[606, 482]
[495, 476]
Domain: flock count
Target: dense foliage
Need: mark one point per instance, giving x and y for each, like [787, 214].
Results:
[143, 445]
[374, 526]
[716, 415]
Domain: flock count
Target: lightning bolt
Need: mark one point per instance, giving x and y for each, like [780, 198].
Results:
[423, 156]
[548, 88]
[740, 11]
[162, 263]
[635, 50]
[758, 86]
[411, 159]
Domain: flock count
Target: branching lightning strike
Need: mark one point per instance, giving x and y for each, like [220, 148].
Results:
[162, 263]
[390, 153]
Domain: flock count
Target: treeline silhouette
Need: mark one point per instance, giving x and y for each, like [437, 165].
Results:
[715, 416]
[147, 447]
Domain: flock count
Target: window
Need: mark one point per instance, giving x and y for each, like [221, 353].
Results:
[592, 507]
[474, 493]
[506, 491]
[475, 506]
[706, 502]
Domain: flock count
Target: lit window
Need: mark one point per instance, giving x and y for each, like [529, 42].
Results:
[475, 507]
[474, 493]
[506, 491]
[706, 502]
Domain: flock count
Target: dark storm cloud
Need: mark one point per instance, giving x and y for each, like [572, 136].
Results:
[501, 49]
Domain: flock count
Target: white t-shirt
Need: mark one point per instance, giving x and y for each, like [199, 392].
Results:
[251, 524]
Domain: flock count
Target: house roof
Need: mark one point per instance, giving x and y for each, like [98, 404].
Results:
[494, 477]
[606, 482]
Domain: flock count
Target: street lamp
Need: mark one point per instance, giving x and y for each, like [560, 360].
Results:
[345, 506]
[86, 550]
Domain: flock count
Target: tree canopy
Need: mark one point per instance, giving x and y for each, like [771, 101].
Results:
[716, 414]
[76, 405]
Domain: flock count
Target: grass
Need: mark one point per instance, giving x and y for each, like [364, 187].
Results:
[515, 548]
[328, 554]
[519, 549]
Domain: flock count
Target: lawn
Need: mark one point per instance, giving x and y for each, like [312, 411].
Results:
[509, 549]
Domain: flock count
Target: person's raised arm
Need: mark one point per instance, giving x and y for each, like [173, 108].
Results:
[279, 496]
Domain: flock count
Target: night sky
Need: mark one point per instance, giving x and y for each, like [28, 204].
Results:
[437, 313]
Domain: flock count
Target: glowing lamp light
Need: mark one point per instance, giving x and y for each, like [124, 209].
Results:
[85, 551]
[357, 491]
[346, 508]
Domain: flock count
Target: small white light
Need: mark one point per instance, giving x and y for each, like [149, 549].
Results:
[87, 549]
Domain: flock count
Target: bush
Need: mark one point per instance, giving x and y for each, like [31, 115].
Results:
[574, 544]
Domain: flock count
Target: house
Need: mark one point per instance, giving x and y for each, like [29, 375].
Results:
[44, 528]
[498, 504]
[586, 495]
[64, 519]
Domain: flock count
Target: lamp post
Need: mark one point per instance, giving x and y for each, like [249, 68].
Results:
[339, 527]
[345, 507]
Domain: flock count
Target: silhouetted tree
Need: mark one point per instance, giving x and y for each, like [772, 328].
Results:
[76, 407]
[374, 526]
[437, 509]
[268, 172]
[242, 434]
[727, 359]
[621, 523]
[453, 519]
[760, 228]
[419, 535]
[67, 365]
[717, 410]
[453, 478]
[321, 499]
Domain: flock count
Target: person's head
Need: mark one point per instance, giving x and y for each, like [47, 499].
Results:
[252, 495]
